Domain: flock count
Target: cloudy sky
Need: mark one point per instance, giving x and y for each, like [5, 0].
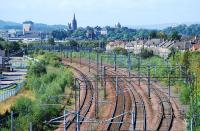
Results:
[101, 12]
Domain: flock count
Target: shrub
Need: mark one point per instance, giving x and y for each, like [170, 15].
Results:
[185, 95]
[22, 105]
[146, 53]
[37, 69]
[120, 50]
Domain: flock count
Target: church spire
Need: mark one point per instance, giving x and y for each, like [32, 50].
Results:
[74, 23]
[74, 16]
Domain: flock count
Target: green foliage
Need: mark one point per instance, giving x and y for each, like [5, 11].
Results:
[51, 41]
[10, 46]
[175, 36]
[60, 34]
[119, 50]
[185, 95]
[1, 39]
[48, 58]
[37, 69]
[186, 61]
[47, 83]
[23, 105]
[153, 34]
[146, 53]
[73, 43]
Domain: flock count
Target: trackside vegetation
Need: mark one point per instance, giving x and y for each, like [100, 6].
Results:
[48, 79]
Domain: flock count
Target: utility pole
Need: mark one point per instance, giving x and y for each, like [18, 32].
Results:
[115, 61]
[116, 85]
[30, 126]
[64, 113]
[80, 58]
[104, 75]
[129, 65]
[169, 84]
[149, 81]
[77, 109]
[12, 125]
[79, 106]
[132, 120]
[97, 92]
[101, 65]
[96, 100]
[89, 61]
[71, 55]
[139, 60]
[155, 69]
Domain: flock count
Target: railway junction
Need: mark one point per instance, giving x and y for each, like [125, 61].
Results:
[111, 96]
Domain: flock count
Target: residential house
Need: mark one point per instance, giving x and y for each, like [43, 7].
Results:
[113, 44]
[183, 45]
[195, 47]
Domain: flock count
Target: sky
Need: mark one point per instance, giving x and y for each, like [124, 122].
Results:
[101, 12]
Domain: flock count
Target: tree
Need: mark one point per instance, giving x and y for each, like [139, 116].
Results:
[60, 34]
[153, 34]
[1, 39]
[120, 50]
[146, 53]
[73, 43]
[186, 61]
[175, 36]
[162, 35]
[51, 41]
[37, 69]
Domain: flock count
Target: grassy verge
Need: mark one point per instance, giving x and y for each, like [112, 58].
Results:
[51, 83]
[7, 104]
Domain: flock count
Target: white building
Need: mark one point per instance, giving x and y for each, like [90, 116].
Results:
[27, 26]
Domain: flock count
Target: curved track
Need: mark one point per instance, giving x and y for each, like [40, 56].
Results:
[165, 115]
[86, 102]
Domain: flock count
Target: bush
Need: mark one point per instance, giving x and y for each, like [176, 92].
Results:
[146, 53]
[120, 50]
[23, 105]
[37, 69]
[185, 95]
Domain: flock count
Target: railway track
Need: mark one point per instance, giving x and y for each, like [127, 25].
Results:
[115, 123]
[165, 117]
[86, 102]
[137, 104]
[120, 100]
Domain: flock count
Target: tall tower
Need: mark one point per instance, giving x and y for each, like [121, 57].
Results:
[27, 27]
[74, 23]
